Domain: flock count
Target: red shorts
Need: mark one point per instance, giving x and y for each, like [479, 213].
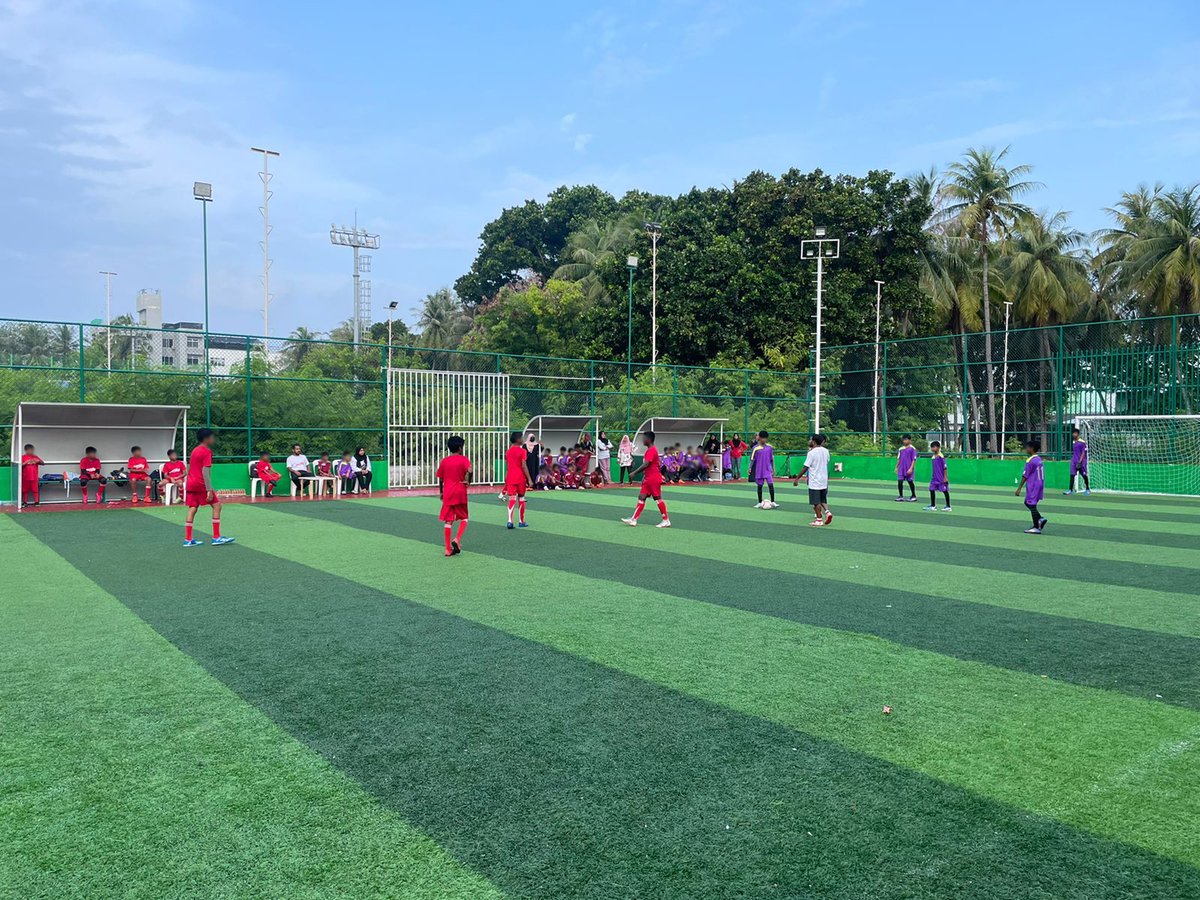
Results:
[452, 512]
[653, 490]
[139, 477]
[196, 498]
[517, 488]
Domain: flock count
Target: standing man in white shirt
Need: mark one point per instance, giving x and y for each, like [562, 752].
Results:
[298, 468]
[816, 473]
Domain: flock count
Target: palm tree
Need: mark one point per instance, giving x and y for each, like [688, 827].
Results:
[591, 246]
[983, 194]
[31, 343]
[63, 342]
[1046, 268]
[1153, 255]
[299, 345]
[442, 320]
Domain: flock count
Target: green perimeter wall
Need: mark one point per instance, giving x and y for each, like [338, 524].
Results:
[963, 471]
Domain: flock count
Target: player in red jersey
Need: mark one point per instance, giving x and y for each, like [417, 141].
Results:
[516, 479]
[198, 491]
[652, 482]
[29, 475]
[139, 473]
[89, 471]
[173, 472]
[453, 475]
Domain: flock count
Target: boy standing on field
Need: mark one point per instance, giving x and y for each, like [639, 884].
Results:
[1079, 464]
[516, 478]
[906, 462]
[652, 482]
[29, 475]
[762, 470]
[1034, 482]
[199, 490]
[816, 473]
[939, 480]
[453, 475]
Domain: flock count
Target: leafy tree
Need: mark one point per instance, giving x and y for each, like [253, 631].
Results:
[299, 345]
[983, 196]
[442, 322]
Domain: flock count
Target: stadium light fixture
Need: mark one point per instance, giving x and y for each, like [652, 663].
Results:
[875, 404]
[202, 191]
[631, 263]
[654, 229]
[356, 239]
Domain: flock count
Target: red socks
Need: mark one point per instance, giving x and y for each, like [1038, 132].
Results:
[217, 528]
[187, 531]
[521, 506]
[462, 529]
[446, 531]
[662, 508]
[637, 513]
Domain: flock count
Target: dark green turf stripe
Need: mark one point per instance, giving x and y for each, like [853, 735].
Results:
[1093, 654]
[1067, 567]
[561, 778]
[890, 511]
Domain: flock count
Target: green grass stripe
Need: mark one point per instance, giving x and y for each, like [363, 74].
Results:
[1139, 663]
[1021, 554]
[127, 771]
[1053, 748]
[1184, 511]
[562, 778]
[1128, 607]
[1091, 525]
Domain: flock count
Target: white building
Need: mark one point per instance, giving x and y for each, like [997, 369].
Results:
[180, 345]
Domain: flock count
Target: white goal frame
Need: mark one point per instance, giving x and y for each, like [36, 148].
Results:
[426, 407]
[1128, 474]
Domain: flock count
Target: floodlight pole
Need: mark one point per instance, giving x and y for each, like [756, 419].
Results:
[203, 192]
[1004, 380]
[631, 262]
[821, 248]
[356, 239]
[391, 312]
[875, 403]
[654, 229]
[108, 277]
[266, 177]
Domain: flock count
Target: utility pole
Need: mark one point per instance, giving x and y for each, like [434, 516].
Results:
[265, 176]
[875, 403]
[821, 248]
[654, 229]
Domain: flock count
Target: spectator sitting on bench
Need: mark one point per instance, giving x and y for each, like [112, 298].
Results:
[90, 471]
[298, 468]
[325, 470]
[345, 471]
[265, 472]
[173, 472]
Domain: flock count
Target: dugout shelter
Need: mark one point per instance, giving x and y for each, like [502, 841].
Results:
[669, 432]
[563, 431]
[61, 431]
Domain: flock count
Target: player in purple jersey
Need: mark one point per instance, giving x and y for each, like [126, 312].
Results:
[1079, 464]
[1034, 481]
[762, 470]
[906, 462]
[939, 480]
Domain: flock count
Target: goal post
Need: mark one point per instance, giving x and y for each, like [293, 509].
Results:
[1143, 454]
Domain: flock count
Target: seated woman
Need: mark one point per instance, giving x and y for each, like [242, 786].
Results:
[362, 469]
[265, 472]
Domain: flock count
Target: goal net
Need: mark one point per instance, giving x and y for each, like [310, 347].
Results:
[1143, 454]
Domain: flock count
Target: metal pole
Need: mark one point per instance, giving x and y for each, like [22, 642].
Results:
[629, 359]
[265, 175]
[875, 393]
[1004, 380]
[207, 354]
[108, 277]
[817, 369]
[357, 324]
[654, 299]
[82, 368]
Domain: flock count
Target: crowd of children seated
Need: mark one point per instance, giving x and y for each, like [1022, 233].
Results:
[568, 470]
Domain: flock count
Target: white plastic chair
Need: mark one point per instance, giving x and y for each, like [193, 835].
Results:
[256, 483]
[168, 492]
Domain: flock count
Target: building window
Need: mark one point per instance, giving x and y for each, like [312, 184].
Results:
[193, 359]
[168, 360]
[169, 343]
[193, 343]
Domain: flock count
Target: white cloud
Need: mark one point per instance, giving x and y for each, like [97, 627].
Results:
[581, 141]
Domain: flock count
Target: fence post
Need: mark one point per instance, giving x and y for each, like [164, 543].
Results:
[387, 375]
[746, 411]
[82, 367]
[1172, 396]
[883, 418]
[592, 387]
[249, 404]
[966, 415]
[674, 390]
[1059, 372]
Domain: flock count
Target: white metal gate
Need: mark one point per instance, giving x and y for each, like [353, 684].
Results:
[425, 408]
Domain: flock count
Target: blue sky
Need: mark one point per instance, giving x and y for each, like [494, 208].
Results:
[429, 118]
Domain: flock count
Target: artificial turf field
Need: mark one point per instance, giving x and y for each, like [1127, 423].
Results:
[330, 707]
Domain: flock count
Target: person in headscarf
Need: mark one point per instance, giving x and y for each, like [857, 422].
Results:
[362, 469]
[625, 457]
[603, 457]
[533, 456]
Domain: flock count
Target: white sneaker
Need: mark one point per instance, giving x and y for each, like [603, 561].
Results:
[947, 509]
[665, 523]
[771, 504]
[760, 505]
[631, 522]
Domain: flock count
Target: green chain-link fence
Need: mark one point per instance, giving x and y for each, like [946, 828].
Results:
[263, 394]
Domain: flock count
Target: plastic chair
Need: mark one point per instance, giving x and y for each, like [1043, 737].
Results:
[256, 483]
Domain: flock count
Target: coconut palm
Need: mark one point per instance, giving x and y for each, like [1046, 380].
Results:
[591, 246]
[63, 341]
[982, 194]
[300, 343]
[442, 321]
